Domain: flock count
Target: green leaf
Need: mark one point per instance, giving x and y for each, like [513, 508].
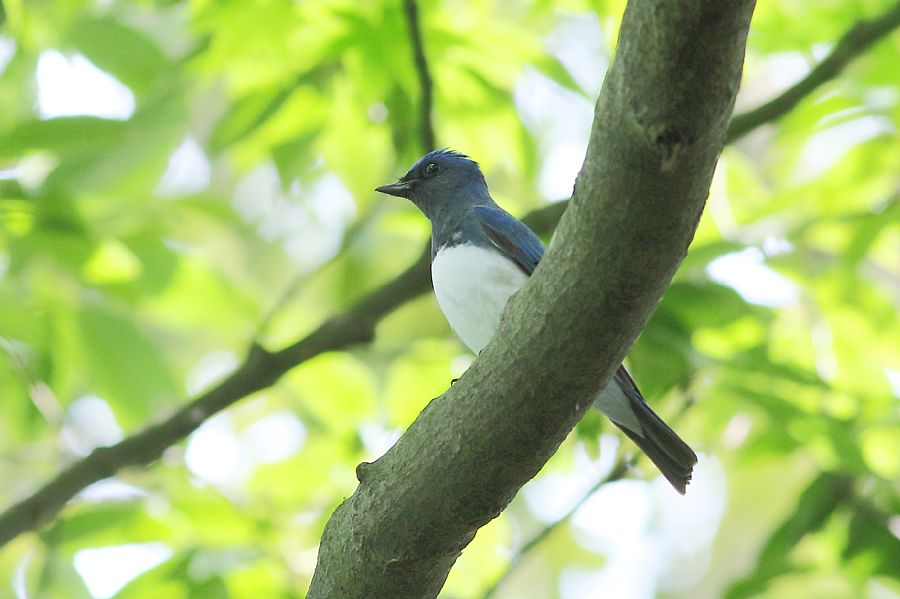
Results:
[816, 504]
[108, 523]
[660, 359]
[872, 549]
[549, 65]
[125, 364]
[246, 115]
[123, 51]
[699, 305]
[169, 579]
[66, 137]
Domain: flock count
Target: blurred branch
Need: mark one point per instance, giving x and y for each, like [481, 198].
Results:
[854, 42]
[259, 370]
[617, 473]
[340, 332]
[426, 128]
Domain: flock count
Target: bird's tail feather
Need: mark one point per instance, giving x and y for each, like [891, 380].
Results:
[674, 458]
[666, 450]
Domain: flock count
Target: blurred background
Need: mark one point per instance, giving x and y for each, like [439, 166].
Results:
[179, 178]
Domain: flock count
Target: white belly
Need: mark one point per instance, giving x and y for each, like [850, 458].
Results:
[472, 286]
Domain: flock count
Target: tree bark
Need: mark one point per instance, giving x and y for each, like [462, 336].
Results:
[659, 125]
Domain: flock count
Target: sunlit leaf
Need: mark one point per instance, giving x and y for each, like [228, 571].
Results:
[125, 52]
[815, 505]
[125, 364]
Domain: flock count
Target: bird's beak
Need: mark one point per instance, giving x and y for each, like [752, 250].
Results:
[400, 189]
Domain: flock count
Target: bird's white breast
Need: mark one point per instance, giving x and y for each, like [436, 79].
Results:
[472, 285]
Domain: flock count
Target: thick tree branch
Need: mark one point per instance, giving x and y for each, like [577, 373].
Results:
[636, 205]
[146, 446]
[854, 42]
[426, 129]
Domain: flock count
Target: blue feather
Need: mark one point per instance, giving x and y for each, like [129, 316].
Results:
[512, 237]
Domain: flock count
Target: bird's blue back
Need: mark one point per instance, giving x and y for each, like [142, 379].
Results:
[493, 228]
[511, 236]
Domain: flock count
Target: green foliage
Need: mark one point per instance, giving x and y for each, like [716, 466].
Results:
[135, 275]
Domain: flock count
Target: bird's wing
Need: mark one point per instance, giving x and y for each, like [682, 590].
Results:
[512, 237]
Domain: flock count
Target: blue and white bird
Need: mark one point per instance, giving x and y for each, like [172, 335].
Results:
[480, 256]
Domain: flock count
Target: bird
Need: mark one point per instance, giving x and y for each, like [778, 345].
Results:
[480, 256]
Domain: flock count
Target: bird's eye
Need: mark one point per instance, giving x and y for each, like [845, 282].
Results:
[430, 169]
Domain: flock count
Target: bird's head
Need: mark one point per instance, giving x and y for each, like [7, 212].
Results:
[440, 181]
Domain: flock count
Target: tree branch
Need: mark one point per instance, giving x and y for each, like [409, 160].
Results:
[854, 42]
[426, 129]
[259, 370]
[639, 195]
[146, 446]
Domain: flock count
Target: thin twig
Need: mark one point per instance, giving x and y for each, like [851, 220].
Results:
[854, 42]
[426, 128]
[617, 473]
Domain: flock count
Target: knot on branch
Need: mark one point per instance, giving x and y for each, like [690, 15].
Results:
[363, 469]
[258, 355]
[671, 143]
